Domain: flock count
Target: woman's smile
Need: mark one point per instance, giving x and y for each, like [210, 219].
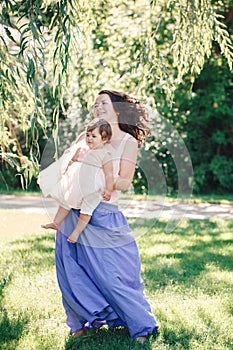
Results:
[103, 108]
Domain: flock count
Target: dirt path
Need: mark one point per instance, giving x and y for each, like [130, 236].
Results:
[131, 208]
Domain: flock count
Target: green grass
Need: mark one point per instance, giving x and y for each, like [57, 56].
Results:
[188, 281]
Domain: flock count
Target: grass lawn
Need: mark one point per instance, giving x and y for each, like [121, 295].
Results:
[188, 277]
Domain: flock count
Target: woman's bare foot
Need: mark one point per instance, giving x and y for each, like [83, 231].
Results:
[78, 333]
[51, 225]
[141, 339]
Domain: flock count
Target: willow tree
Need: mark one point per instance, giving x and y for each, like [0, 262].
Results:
[74, 48]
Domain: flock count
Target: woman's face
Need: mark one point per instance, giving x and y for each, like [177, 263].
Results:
[103, 108]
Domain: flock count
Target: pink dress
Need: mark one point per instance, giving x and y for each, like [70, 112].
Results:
[79, 185]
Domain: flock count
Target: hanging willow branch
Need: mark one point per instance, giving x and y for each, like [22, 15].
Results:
[34, 36]
[40, 43]
[197, 27]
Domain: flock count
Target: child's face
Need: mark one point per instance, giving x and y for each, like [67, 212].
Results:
[94, 139]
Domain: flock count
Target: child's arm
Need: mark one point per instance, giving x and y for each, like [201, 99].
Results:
[109, 179]
[80, 151]
[75, 157]
[82, 223]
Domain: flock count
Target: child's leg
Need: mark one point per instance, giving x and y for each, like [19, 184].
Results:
[82, 223]
[58, 219]
[89, 203]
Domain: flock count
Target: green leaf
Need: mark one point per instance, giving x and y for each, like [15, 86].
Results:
[8, 33]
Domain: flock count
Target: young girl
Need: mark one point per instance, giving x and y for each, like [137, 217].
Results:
[83, 175]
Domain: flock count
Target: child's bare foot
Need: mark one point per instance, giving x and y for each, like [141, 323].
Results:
[51, 225]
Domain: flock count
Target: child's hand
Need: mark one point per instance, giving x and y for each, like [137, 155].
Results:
[106, 195]
[73, 237]
[69, 164]
[71, 240]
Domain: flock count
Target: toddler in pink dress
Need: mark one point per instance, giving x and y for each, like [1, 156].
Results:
[81, 177]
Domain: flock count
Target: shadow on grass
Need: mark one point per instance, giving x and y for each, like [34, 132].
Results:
[31, 253]
[11, 328]
[185, 260]
[108, 339]
[187, 254]
[180, 340]
[11, 331]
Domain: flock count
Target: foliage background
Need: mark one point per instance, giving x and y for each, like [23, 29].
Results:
[174, 55]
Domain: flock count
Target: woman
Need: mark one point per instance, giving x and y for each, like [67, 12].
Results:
[99, 276]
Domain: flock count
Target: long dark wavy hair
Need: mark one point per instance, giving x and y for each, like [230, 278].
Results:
[132, 114]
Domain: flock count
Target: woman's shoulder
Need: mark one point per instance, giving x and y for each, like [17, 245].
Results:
[126, 137]
[130, 141]
[130, 138]
[118, 145]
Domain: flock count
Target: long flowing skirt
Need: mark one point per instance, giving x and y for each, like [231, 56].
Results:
[99, 276]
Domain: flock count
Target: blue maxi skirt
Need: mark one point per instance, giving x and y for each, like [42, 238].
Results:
[99, 276]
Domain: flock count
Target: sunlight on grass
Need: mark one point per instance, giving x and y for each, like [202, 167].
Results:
[31, 292]
[213, 280]
[188, 276]
[15, 223]
[189, 321]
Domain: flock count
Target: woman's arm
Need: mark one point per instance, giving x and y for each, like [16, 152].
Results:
[127, 165]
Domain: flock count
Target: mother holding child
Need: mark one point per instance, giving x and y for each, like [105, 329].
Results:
[97, 259]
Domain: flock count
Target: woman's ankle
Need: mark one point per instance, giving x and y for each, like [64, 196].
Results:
[141, 339]
[78, 333]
